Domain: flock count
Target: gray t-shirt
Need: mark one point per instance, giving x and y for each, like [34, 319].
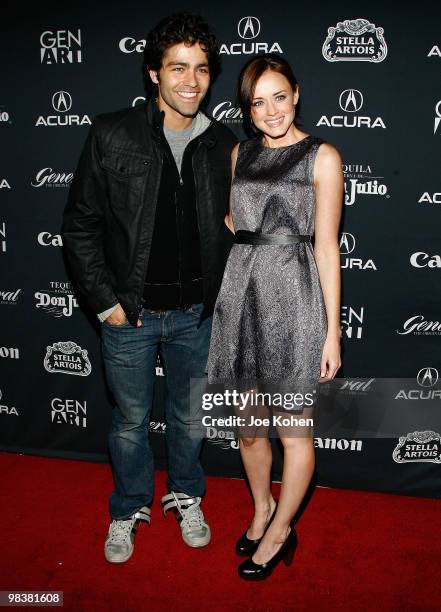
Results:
[178, 140]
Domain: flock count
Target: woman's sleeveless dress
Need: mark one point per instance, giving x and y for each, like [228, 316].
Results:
[269, 321]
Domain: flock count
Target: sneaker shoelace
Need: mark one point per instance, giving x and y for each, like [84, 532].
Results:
[121, 529]
[192, 516]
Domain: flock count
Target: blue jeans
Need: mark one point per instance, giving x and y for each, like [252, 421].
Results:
[130, 356]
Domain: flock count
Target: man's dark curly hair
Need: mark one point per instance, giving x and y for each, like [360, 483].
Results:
[178, 28]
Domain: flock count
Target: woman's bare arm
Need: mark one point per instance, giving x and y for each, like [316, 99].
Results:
[329, 189]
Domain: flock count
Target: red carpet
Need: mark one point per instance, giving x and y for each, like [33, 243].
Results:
[357, 550]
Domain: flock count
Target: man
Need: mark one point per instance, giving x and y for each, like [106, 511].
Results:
[145, 236]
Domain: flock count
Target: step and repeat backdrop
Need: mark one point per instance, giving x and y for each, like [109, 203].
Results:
[370, 84]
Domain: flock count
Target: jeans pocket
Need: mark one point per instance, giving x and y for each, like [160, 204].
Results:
[195, 310]
[116, 325]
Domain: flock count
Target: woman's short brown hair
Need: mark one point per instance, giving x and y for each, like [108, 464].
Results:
[251, 73]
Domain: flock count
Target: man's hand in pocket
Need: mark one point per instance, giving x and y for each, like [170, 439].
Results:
[118, 317]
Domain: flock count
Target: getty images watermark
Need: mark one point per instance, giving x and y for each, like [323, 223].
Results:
[340, 408]
[246, 401]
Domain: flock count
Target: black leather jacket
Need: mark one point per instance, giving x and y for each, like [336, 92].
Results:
[109, 217]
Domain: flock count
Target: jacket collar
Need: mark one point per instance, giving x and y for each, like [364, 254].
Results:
[155, 118]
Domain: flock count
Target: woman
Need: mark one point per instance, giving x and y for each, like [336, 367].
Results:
[277, 313]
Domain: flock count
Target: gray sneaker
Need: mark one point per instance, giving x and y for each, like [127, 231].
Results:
[120, 540]
[194, 527]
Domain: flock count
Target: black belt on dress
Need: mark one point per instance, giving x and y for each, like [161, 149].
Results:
[247, 237]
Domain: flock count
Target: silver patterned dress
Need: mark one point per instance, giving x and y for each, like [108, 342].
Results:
[269, 321]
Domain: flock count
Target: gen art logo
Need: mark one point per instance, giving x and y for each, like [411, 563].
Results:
[60, 47]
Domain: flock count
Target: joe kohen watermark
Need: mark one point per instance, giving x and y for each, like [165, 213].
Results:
[342, 407]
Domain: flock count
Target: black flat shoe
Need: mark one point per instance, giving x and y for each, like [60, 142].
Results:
[253, 571]
[246, 547]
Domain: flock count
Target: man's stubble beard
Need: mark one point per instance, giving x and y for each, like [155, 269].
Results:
[172, 103]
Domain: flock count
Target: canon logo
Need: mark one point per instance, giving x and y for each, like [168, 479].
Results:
[423, 260]
[131, 45]
[48, 239]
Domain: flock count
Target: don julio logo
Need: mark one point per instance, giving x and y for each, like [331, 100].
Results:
[359, 181]
[355, 40]
[225, 439]
[4, 116]
[67, 358]
[58, 301]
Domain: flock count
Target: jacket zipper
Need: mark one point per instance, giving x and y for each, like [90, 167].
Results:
[198, 214]
[178, 230]
[146, 263]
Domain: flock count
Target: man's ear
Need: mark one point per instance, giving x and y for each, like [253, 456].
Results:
[154, 76]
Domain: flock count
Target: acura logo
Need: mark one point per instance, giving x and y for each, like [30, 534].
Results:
[438, 117]
[351, 100]
[427, 377]
[248, 27]
[347, 243]
[62, 101]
